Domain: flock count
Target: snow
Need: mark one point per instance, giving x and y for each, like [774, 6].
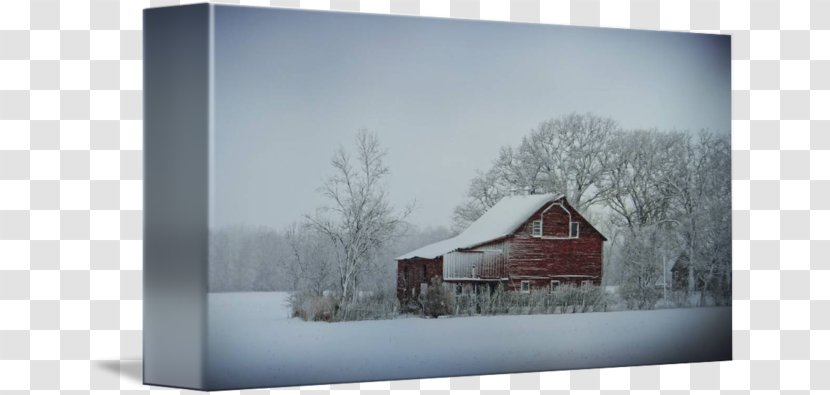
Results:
[253, 343]
[500, 220]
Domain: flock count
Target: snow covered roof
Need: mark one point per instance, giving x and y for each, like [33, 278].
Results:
[499, 221]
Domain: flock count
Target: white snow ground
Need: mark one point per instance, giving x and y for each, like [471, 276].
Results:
[253, 343]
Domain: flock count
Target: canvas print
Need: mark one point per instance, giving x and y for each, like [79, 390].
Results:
[404, 197]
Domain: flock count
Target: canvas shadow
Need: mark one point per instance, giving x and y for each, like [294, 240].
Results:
[130, 369]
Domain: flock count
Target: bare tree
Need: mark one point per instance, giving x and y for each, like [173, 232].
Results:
[641, 269]
[564, 155]
[359, 219]
[569, 153]
[636, 167]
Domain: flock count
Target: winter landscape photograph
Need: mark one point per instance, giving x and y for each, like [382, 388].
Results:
[406, 197]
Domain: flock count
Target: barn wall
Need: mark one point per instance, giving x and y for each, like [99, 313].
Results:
[547, 258]
[410, 284]
[556, 222]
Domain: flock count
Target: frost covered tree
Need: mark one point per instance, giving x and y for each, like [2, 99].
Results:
[641, 270]
[700, 188]
[635, 169]
[563, 155]
[358, 219]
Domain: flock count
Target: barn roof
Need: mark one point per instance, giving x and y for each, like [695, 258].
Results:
[499, 221]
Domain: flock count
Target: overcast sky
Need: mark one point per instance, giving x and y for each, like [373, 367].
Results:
[443, 95]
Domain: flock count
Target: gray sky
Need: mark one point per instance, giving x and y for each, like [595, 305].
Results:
[443, 95]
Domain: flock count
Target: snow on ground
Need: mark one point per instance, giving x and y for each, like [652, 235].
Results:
[254, 343]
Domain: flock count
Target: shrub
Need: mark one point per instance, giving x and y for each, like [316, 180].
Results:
[438, 300]
[313, 307]
[639, 296]
[379, 305]
[565, 299]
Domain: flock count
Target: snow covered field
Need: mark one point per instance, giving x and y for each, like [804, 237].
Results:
[253, 343]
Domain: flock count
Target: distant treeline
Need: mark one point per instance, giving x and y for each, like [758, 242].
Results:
[247, 258]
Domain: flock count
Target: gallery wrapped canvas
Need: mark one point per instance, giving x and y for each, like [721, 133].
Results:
[340, 197]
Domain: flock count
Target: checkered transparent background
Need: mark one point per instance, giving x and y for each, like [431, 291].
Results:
[71, 171]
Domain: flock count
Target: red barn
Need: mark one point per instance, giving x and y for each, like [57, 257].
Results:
[523, 243]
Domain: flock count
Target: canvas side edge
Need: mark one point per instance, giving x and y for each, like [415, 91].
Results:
[176, 174]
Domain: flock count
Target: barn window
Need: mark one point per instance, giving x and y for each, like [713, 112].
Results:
[424, 272]
[525, 286]
[554, 284]
[458, 289]
[587, 283]
[574, 229]
[536, 228]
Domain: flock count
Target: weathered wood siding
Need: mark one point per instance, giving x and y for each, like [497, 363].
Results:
[556, 221]
[475, 264]
[411, 275]
[555, 256]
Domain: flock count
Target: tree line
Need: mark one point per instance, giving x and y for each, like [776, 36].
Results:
[297, 257]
